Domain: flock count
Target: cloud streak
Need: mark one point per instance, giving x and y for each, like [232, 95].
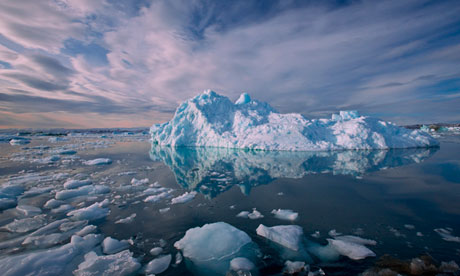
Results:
[314, 58]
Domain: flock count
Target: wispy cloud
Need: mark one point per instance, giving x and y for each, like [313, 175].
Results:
[135, 58]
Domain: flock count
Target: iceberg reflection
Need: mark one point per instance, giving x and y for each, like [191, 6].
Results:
[214, 170]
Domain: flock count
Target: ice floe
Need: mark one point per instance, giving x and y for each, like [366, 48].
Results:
[354, 251]
[285, 214]
[74, 183]
[186, 197]
[93, 212]
[120, 264]
[158, 264]
[241, 263]
[213, 120]
[295, 267]
[128, 219]
[212, 246]
[25, 225]
[98, 161]
[288, 236]
[111, 245]
[28, 210]
[251, 215]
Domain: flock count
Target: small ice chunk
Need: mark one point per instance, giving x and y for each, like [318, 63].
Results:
[88, 229]
[112, 246]
[243, 99]
[158, 265]
[62, 209]
[186, 197]
[352, 250]
[334, 233]
[164, 210]
[156, 198]
[446, 234]
[285, 214]
[57, 139]
[156, 251]
[127, 219]
[66, 194]
[67, 152]
[17, 141]
[178, 258]
[409, 226]
[295, 267]
[355, 239]
[35, 191]
[316, 234]
[74, 183]
[93, 212]
[288, 236]
[25, 225]
[53, 261]
[98, 161]
[66, 226]
[120, 264]
[53, 203]
[137, 182]
[7, 203]
[254, 215]
[29, 210]
[241, 263]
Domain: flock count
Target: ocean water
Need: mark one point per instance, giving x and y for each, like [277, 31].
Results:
[408, 201]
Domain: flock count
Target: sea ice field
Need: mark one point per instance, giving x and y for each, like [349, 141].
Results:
[109, 202]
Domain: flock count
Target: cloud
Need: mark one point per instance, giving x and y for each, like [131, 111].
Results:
[109, 57]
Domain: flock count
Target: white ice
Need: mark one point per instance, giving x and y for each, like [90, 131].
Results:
[112, 246]
[295, 267]
[156, 251]
[54, 261]
[28, 210]
[119, 264]
[158, 265]
[74, 183]
[137, 182]
[446, 234]
[241, 263]
[288, 236]
[213, 120]
[351, 250]
[128, 219]
[93, 212]
[25, 225]
[98, 161]
[186, 197]
[355, 239]
[285, 214]
[253, 215]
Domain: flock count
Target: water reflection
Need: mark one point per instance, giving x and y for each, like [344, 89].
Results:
[214, 170]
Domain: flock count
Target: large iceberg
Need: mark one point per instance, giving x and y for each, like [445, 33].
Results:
[212, 120]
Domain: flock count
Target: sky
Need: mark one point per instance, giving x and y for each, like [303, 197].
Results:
[119, 63]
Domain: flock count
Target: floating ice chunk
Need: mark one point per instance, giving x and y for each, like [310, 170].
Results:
[186, 197]
[127, 219]
[212, 247]
[45, 240]
[211, 120]
[62, 209]
[288, 236]
[73, 183]
[98, 161]
[29, 210]
[316, 234]
[66, 194]
[285, 214]
[241, 263]
[158, 265]
[53, 261]
[17, 141]
[351, 250]
[7, 203]
[164, 210]
[334, 233]
[93, 212]
[409, 226]
[137, 182]
[295, 267]
[254, 215]
[35, 191]
[446, 234]
[25, 225]
[57, 139]
[66, 226]
[88, 229]
[155, 198]
[120, 264]
[156, 251]
[53, 203]
[111, 245]
[355, 239]
[178, 258]
[67, 152]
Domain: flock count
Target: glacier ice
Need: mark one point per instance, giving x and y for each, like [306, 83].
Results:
[95, 211]
[285, 214]
[212, 120]
[211, 248]
[354, 251]
[289, 236]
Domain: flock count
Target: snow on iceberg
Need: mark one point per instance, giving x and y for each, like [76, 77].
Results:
[212, 120]
[211, 248]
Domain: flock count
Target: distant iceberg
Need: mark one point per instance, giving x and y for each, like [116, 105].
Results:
[212, 120]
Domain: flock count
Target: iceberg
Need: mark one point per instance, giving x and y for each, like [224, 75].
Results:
[212, 120]
[211, 248]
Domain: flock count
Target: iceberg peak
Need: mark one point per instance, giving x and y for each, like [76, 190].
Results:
[212, 120]
[243, 99]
